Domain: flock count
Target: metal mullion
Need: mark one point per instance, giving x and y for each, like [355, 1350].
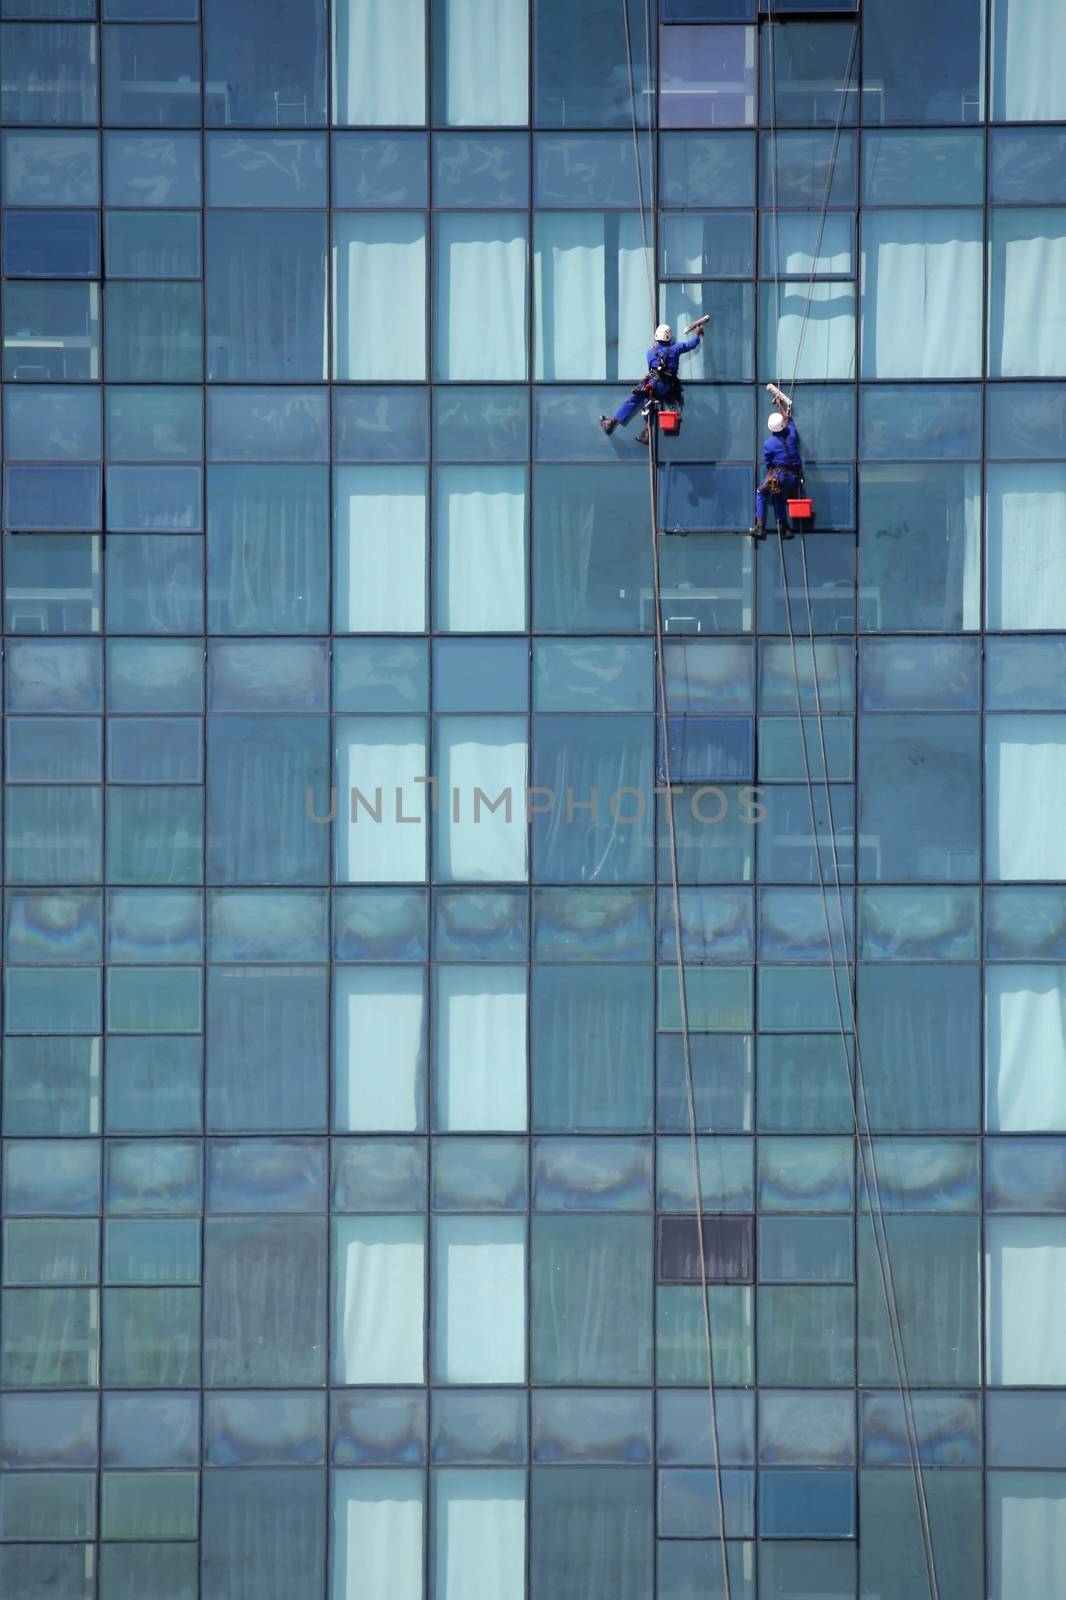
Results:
[206, 953]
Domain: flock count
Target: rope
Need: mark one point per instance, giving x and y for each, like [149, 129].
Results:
[867, 1158]
[637, 166]
[864, 1145]
[686, 1050]
[682, 987]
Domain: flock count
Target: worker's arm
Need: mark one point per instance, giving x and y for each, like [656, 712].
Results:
[683, 346]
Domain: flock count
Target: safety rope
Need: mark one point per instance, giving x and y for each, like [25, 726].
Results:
[864, 1141]
[682, 996]
[663, 729]
[865, 1153]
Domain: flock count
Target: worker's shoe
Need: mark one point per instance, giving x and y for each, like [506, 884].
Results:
[608, 424]
[643, 436]
[786, 531]
[759, 530]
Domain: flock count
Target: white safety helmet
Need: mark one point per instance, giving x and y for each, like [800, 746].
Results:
[663, 332]
[775, 422]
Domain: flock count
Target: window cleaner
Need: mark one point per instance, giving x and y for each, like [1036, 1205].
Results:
[662, 386]
[784, 469]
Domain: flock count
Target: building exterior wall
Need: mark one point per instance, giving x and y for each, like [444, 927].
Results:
[354, 1107]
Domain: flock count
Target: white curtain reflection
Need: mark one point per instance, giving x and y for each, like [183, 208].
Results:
[379, 62]
[379, 295]
[1025, 774]
[922, 283]
[479, 1535]
[379, 532]
[481, 549]
[379, 1300]
[1025, 1048]
[1026, 1283]
[1027, 545]
[479, 32]
[590, 279]
[481, 296]
[378, 1520]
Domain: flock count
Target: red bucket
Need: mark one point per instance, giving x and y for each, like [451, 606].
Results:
[801, 508]
[670, 421]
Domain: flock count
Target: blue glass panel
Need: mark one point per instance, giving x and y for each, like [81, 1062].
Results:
[948, 1428]
[474, 924]
[726, 1182]
[586, 1175]
[256, 1270]
[375, 1427]
[282, 272]
[267, 170]
[267, 925]
[903, 167]
[154, 1000]
[151, 1250]
[704, 498]
[267, 425]
[919, 675]
[592, 925]
[807, 161]
[803, 1084]
[374, 169]
[592, 1040]
[156, 424]
[154, 675]
[266, 1053]
[481, 169]
[47, 928]
[152, 169]
[154, 499]
[480, 423]
[59, 999]
[479, 1174]
[573, 757]
[480, 675]
[49, 73]
[589, 170]
[264, 1529]
[479, 1426]
[1025, 422]
[591, 1533]
[592, 675]
[48, 1430]
[152, 245]
[806, 1250]
[685, 1428]
[283, 675]
[264, 1430]
[1026, 1430]
[1025, 1175]
[921, 422]
[152, 75]
[53, 749]
[51, 244]
[265, 63]
[153, 1085]
[381, 424]
[51, 168]
[52, 835]
[162, 1176]
[576, 1425]
[1027, 164]
[155, 750]
[723, 1078]
[1025, 924]
[51, 1178]
[266, 1175]
[918, 924]
[154, 925]
[807, 1505]
[379, 925]
[928, 1174]
[707, 169]
[51, 424]
[51, 1085]
[706, 749]
[379, 1175]
[380, 675]
[155, 580]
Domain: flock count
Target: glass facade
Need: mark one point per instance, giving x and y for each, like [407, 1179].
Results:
[362, 1169]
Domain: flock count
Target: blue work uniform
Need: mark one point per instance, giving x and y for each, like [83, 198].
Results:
[659, 388]
[780, 452]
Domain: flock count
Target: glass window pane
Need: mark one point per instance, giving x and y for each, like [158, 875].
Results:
[379, 259]
[266, 296]
[922, 276]
[900, 38]
[480, 282]
[707, 77]
[265, 63]
[379, 62]
[465, 94]
[1027, 253]
[900, 167]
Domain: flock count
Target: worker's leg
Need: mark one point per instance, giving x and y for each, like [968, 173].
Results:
[759, 530]
[630, 404]
[784, 527]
